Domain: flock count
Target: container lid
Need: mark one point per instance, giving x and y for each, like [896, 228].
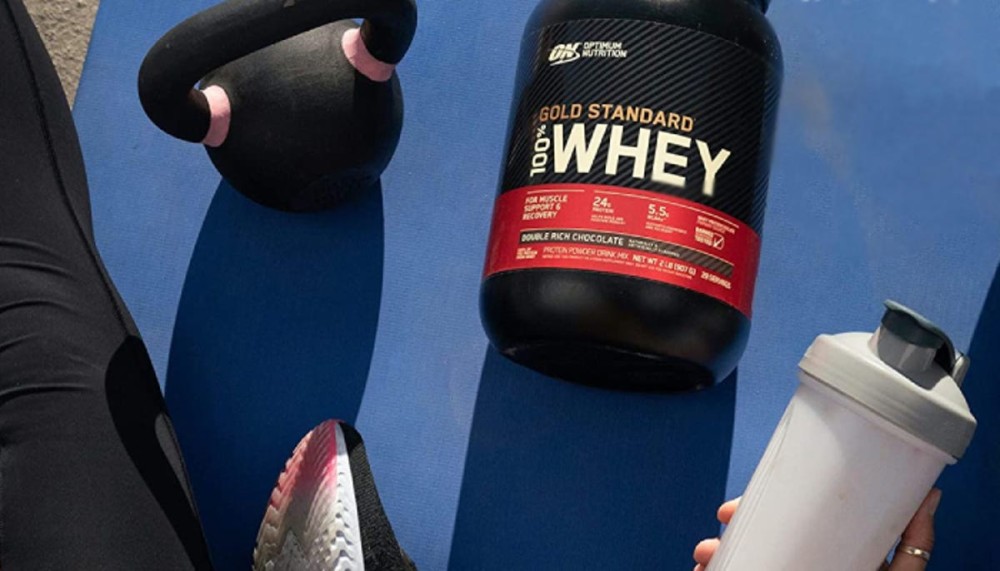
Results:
[907, 372]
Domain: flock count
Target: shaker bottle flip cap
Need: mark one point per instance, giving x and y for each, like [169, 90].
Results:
[908, 372]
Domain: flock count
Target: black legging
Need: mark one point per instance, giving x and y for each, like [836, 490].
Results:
[90, 473]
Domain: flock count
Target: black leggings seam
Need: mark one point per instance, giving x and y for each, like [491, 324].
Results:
[53, 160]
[3, 456]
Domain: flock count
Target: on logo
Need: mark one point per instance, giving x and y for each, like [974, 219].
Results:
[564, 53]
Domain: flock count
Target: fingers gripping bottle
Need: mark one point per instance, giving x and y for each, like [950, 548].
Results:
[626, 232]
[873, 423]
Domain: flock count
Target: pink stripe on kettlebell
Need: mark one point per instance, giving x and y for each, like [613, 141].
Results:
[357, 53]
[222, 112]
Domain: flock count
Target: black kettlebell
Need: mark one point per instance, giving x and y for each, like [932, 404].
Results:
[298, 107]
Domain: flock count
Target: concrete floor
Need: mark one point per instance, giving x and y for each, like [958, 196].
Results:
[65, 26]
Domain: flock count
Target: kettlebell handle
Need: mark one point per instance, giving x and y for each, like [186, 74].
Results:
[236, 28]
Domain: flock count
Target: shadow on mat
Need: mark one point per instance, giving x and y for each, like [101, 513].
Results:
[560, 476]
[274, 334]
[967, 518]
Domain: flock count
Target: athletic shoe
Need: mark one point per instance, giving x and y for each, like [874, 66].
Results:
[325, 513]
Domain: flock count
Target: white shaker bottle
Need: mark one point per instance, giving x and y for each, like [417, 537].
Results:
[874, 421]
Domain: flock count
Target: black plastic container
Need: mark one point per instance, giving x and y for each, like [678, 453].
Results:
[626, 234]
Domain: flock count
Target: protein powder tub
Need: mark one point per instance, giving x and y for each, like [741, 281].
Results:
[626, 233]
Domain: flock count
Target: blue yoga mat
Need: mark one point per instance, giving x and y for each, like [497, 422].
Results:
[261, 324]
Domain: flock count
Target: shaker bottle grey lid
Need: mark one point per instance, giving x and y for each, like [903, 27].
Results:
[907, 372]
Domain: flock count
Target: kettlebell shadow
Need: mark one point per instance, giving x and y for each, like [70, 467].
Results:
[274, 334]
[563, 476]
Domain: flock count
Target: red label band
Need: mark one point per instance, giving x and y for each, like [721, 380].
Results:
[629, 232]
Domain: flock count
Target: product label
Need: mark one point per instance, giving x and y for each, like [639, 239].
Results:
[639, 149]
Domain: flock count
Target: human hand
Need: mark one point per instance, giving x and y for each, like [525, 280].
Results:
[911, 555]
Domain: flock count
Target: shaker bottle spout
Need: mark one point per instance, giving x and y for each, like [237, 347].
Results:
[912, 344]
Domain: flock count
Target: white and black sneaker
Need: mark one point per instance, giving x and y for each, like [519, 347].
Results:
[325, 513]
